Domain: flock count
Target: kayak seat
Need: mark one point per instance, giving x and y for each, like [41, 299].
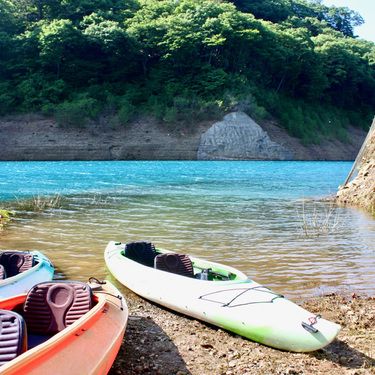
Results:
[176, 263]
[13, 337]
[16, 262]
[141, 252]
[3, 273]
[51, 306]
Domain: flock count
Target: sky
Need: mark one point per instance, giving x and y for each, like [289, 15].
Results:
[366, 8]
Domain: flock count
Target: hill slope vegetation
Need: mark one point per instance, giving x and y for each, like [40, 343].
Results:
[185, 61]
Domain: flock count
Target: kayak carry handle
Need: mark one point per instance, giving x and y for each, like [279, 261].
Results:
[93, 279]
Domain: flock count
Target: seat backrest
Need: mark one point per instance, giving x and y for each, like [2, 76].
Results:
[16, 262]
[51, 306]
[3, 272]
[13, 338]
[141, 252]
[176, 263]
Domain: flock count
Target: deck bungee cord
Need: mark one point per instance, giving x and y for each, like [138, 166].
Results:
[256, 289]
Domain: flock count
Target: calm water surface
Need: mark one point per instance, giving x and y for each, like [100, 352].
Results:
[246, 214]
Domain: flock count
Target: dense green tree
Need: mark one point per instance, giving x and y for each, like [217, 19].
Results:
[341, 19]
[115, 10]
[270, 10]
[8, 21]
[283, 57]
[36, 10]
[349, 73]
[58, 42]
[109, 47]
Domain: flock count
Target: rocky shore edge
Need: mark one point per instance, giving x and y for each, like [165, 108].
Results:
[360, 190]
[160, 342]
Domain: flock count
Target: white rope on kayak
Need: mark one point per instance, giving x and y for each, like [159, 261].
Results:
[360, 155]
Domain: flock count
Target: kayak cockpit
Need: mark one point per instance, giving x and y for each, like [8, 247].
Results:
[47, 309]
[13, 263]
[181, 264]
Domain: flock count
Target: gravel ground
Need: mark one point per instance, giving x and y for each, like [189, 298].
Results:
[161, 342]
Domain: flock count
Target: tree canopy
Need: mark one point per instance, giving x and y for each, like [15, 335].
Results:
[296, 60]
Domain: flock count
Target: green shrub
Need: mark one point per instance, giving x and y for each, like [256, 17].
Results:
[342, 135]
[126, 112]
[5, 217]
[76, 113]
[185, 112]
[6, 99]
[248, 104]
[71, 115]
[312, 122]
[171, 115]
[155, 107]
[116, 112]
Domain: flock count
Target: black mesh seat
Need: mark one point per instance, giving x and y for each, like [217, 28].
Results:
[176, 263]
[54, 305]
[16, 262]
[141, 252]
[12, 336]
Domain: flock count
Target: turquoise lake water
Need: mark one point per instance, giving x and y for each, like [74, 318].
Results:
[246, 214]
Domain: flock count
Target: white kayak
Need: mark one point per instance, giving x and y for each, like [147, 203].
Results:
[20, 270]
[219, 295]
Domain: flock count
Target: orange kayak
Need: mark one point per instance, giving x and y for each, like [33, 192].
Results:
[72, 344]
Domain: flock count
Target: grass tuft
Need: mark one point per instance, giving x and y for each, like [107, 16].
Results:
[320, 220]
[39, 203]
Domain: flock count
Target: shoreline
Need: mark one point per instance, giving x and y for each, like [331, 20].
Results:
[160, 342]
[37, 138]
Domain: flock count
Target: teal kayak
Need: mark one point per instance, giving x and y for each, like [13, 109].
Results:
[20, 270]
[217, 294]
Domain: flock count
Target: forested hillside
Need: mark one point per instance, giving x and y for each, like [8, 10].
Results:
[183, 61]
